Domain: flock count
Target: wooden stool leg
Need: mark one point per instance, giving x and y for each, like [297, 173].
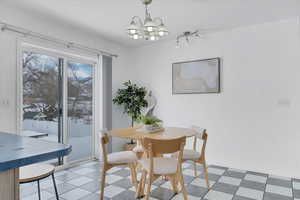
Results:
[39, 189]
[102, 183]
[55, 188]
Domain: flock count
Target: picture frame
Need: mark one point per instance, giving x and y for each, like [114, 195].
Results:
[197, 76]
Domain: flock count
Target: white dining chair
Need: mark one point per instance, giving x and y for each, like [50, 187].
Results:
[195, 156]
[123, 158]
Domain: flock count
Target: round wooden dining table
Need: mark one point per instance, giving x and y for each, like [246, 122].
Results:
[138, 133]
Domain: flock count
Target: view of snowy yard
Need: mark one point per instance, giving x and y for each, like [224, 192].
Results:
[42, 102]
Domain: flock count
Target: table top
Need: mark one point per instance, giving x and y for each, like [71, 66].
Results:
[138, 133]
[17, 151]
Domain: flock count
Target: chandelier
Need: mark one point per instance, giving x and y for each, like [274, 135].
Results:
[149, 29]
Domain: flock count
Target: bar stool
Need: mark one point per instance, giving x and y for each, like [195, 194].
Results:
[37, 172]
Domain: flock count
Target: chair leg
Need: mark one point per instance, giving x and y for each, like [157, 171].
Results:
[55, 188]
[206, 175]
[195, 169]
[149, 186]
[174, 184]
[102, 183]
[39, 189]
[133, 175]
[183, 190]
[140, 190]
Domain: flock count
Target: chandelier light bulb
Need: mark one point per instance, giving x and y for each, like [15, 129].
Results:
[135, 36]
[152, 37]
[132, 31]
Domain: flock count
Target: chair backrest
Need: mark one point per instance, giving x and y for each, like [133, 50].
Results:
[200, 132]
[157, 147]
[104, 140]
[202, 135]
[164, 146]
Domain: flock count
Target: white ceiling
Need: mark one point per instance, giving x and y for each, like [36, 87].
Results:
[109, 18]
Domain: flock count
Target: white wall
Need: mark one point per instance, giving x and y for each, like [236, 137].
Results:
[8, 49]
[253, 124]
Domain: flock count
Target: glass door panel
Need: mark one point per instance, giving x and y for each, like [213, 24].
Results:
[80, 110]
[41, 97]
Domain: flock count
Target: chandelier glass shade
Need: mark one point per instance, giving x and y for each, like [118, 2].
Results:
[148, 29]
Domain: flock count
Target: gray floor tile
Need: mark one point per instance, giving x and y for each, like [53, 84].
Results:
[124, 183]
[271, 196]
[188, 179]
[241, 198]
[253, 185]
[93, 186]
[257, 173]
[61, 188]
[224, 187]
[279, 182]
[162, 193]
[123, 172]
[68, 176]
[234, 174]
[296, 193]
[196, 191]
[94, 175]
[212, 177]
[219, 167]
[127, 195]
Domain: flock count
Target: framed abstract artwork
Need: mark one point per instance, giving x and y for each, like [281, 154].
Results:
[196, 77]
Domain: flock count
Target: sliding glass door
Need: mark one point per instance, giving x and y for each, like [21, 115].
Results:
[80, 110]
[58, 102]
[42, 97]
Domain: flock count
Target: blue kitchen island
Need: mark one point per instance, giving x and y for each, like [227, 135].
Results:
[17, 151]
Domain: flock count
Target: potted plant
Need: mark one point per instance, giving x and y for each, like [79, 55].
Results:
[151, 123]
[132, 98]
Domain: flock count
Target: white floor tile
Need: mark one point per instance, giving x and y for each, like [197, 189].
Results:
[75, 194]
[180, 197]
[230, 180]
[80, 181]
[153, 187]
[250, 193]
[112, 191]
[255, 178]
[216, 171]
[201, 182]
[237, 170]
[216, 195]
[279, 190]
[280, 177]
[112, 178]
[188, 172]
[296, 185]
[48, 183]
[44, 196]
[84, 171]
[113, 170]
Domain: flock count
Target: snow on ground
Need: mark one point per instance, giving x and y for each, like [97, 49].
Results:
[80, 135]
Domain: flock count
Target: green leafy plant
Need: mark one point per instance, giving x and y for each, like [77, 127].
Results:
[150, 120]
[132, 98]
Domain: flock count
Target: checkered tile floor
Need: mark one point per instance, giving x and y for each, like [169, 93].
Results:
[82, 183]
